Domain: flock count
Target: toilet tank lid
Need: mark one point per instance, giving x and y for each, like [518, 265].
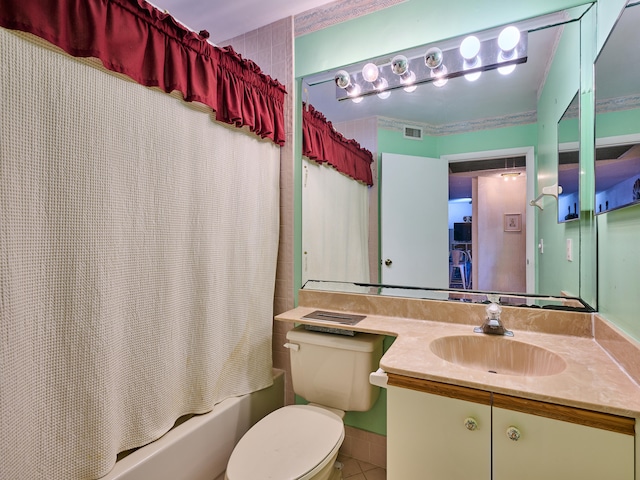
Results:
[290, 442]
[360, 342]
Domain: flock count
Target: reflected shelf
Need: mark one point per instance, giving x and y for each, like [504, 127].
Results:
[568, 303]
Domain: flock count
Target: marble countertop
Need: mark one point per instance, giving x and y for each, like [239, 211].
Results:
[592, 379]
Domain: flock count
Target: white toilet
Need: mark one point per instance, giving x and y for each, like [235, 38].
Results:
[301, 442]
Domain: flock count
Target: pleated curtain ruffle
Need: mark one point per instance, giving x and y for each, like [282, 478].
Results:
[323, 144]
[134, 38]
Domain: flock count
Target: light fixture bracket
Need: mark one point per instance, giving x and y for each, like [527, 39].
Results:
[451, 59]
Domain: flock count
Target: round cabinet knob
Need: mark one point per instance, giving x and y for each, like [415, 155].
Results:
[470, 424]
[388, 262]
[513, 433]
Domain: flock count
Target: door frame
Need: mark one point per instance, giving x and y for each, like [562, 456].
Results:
[528, 153]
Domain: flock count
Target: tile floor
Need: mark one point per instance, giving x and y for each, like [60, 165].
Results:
[356, 470]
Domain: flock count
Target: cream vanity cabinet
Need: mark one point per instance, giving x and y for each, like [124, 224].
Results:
[430, 436]
[444, 432]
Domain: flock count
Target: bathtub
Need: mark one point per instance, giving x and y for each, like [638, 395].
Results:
[199, 448]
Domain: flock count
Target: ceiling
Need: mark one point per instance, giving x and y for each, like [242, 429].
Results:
[226, 19]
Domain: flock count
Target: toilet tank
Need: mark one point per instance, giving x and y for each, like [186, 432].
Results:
[333, 370]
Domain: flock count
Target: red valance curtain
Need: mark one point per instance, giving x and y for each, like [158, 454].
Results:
[134, 38]
[322, 143]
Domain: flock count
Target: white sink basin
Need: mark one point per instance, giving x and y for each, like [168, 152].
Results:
[498, 354]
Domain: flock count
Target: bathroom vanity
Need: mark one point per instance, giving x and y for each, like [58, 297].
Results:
[552, 402]
[482, 435]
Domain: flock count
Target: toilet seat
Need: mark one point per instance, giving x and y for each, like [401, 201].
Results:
[293, 442]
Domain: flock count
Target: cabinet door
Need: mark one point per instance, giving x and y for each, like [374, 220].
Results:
[427, 437]
[554, 449]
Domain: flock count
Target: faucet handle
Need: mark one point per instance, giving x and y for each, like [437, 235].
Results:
[493, 311]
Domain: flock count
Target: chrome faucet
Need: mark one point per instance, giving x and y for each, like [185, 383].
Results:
[492, 324]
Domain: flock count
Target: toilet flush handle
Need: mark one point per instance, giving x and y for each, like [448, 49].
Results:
[292, 346]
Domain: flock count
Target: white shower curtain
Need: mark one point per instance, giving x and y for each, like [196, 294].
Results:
[335, 213]
[138, 243]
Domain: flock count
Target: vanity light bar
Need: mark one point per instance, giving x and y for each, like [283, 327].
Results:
[490, 54]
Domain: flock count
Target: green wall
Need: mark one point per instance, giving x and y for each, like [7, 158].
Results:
[482, 140]
[569, 130]
[618, 231]
[421, 22]
[618, 237]
[393, 141]
[619, 272]
[554, 272]
[612, 124]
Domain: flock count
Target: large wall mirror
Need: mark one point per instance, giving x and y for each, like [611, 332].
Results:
[569, 163]
[471, 144]
[618, 115]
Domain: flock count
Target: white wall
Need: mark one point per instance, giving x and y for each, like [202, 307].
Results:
[499, 256]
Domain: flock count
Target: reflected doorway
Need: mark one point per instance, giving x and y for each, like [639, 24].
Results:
[488, 221]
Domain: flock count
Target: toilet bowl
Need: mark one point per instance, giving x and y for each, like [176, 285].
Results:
[301, 442]
[298, 442]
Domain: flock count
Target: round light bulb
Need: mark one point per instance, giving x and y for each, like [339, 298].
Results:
[342, 79]
[472, 77]
[506, 70]
[433, 58]
[355, 91]
[441, 82]
[370, 72]
[382, 84]
[409, 80]
[508, 38]
[399, 64]
[439, 76]
[470, 47]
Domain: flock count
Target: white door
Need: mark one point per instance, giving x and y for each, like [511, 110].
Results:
[414, 225]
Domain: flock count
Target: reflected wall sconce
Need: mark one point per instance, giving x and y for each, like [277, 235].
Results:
[552, 190]
[510, 175]
[436, 66]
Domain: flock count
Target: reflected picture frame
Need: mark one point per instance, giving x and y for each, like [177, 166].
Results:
[512, 222]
